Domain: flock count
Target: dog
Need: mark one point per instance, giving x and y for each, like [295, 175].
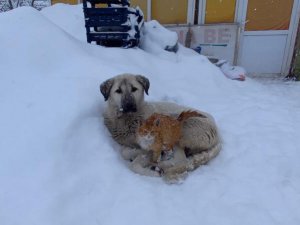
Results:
[126, 109]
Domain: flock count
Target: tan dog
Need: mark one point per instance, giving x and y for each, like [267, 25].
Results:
[126, 109]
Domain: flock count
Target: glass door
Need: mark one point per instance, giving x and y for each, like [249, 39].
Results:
[266, 35]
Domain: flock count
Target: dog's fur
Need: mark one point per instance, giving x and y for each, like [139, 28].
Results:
[200, 141]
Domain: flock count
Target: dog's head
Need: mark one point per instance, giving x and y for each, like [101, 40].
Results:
[125, 92]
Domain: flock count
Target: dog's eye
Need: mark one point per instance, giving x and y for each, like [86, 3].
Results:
[119, 91]
[133, 89]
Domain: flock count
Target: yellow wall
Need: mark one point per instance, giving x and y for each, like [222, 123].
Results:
[169, 11]
[72, 2]
[220, 11]
[268, 14]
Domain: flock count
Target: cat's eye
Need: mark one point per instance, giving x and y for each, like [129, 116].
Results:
[119, 91]
[134, 89]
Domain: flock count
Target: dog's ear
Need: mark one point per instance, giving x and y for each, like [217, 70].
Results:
[105, 88]
[144, 82]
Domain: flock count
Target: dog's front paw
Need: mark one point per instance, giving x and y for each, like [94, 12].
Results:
[129, 154]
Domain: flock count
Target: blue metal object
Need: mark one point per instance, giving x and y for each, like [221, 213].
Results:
[198, 49]
[116, 25]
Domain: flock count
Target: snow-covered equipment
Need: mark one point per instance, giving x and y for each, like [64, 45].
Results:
[117, 25]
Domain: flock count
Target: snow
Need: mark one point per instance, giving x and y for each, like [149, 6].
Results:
[157, 38]
[58, 164]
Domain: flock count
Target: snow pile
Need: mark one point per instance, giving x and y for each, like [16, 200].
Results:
[58, 164]
[69, 18]
[157, 38]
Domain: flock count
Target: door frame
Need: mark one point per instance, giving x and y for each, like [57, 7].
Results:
[293, 35]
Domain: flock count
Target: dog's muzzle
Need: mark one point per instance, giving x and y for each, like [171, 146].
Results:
[128, 104]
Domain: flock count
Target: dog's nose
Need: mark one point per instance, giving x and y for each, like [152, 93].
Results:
[129, 107]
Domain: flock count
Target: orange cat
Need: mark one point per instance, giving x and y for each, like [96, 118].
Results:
[161, 132]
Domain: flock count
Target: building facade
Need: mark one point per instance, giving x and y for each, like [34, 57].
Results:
[256, 34]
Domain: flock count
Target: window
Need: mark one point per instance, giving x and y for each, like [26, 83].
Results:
[170, 12]
[268, 14]
[220, 11]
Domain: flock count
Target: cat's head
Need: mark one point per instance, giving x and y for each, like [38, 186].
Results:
[149, 126]
[145, 129]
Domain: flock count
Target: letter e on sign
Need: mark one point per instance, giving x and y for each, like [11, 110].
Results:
[223, 35]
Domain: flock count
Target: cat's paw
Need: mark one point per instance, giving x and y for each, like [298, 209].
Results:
[167, 155]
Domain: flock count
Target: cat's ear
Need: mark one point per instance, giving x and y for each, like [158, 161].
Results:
[157, 122]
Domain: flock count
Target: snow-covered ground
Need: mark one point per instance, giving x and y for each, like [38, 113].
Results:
[59, 166]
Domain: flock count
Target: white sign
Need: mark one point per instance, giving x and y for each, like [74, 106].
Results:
[215, 40]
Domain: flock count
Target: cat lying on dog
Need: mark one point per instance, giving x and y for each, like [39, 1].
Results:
[162, 132]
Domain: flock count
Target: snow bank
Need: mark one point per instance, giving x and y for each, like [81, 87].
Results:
[69, 18]
[58, 164]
